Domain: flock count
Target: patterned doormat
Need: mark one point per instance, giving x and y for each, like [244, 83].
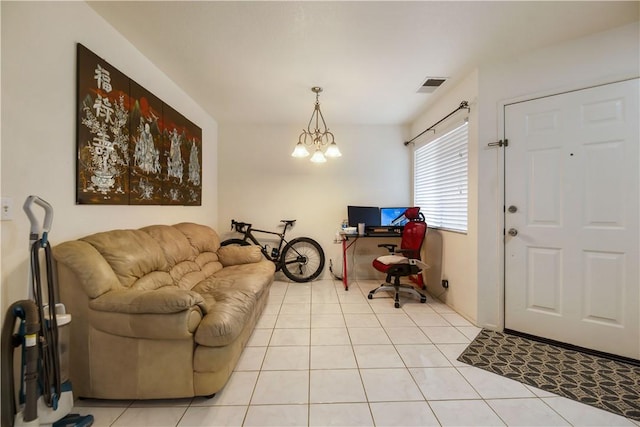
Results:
[597, 381]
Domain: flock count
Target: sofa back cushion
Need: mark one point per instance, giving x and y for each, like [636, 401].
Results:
[175, 245]
[132, 254]
[190, 251]
[205, 243]
[201, 237]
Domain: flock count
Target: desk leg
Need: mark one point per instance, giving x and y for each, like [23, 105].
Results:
[345, 281]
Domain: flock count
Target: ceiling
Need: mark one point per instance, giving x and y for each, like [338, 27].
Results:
[255, 62]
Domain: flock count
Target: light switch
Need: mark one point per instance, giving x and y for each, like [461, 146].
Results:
[6, 209]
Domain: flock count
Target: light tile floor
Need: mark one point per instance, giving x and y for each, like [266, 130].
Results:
[323, 356]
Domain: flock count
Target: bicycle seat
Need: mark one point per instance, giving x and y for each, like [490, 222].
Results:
[289, 222]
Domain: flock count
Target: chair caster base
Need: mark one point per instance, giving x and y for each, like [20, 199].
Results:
[397, 288]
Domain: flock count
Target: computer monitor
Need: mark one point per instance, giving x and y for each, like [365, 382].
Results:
[368, 215]
[392, 217]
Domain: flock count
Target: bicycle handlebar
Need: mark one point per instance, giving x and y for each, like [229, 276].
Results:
[239, 226]
[244, 227]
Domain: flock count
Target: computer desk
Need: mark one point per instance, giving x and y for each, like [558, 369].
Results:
[353, 237]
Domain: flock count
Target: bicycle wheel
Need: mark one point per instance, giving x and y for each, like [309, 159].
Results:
[238, 242]
[303, 259]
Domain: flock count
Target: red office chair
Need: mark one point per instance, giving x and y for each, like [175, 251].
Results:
[407, 262]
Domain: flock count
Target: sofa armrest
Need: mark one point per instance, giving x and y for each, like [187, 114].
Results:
[165, 313]
[91, 270]
[158, 301]
[236, 255]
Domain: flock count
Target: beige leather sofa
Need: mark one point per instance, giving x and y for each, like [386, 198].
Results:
[159, 312]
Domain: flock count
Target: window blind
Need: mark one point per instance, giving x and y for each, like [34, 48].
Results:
[440, 179]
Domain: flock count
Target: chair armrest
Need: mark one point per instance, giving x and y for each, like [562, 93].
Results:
[158, 301]
[391, 247]
[402, 266]
[420, 264]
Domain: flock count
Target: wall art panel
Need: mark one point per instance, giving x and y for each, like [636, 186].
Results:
[132, 147]
[103, 132]
[147, 147]
[183, 148]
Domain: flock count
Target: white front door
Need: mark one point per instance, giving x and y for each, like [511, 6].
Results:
[571, 218]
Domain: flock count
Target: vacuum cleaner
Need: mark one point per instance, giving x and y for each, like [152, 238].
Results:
[39, 325]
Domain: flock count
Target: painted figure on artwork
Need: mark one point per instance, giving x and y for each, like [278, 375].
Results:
[194, 165]
[175, 162]
[146, 155]
[145, 189]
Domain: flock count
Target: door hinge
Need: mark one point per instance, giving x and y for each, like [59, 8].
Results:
[499, 143]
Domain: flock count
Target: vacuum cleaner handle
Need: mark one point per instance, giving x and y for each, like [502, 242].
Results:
[35, 226]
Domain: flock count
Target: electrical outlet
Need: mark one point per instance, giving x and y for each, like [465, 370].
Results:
[6, 209]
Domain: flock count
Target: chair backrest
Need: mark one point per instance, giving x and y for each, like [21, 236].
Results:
[413, 233]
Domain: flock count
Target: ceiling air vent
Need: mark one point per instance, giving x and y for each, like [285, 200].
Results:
[431, 84]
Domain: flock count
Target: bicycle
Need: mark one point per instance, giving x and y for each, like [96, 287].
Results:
[301, 259]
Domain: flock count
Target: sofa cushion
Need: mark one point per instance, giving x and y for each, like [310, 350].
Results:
[254, 278]
[187, 266]
[201, 237]
[175, 245]
[229, 311]
[152, 281]
[233, 255]
[208, 262]
[131, 253]
[189, 280]
[205, 287]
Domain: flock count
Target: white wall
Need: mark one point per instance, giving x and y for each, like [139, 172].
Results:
[39, 121]
[596, 59]
[453, 256]
[261, 183]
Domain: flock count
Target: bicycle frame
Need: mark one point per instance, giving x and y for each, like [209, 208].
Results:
[248, 235]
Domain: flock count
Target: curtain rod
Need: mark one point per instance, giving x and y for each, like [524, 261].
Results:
[463, 105]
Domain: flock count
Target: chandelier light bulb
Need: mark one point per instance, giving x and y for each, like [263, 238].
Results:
[317, 136]
[300, 150]
[333, 150]
[318, 157]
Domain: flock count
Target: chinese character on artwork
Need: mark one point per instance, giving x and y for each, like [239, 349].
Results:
[103, 79]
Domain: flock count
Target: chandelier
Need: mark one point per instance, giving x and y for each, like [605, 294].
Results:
[317, 138]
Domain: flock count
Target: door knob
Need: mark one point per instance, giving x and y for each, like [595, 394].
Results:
[513, 209]
[513, 232]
